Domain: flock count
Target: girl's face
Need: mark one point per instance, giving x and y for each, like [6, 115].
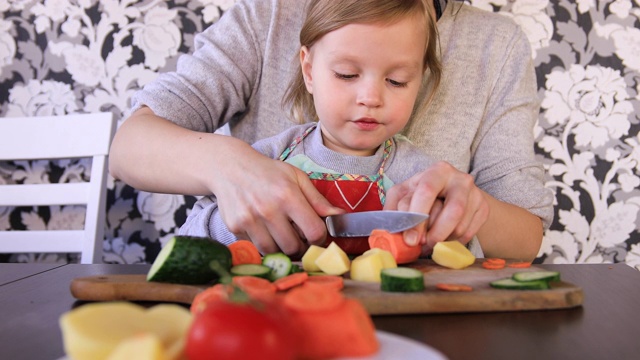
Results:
[364, 79]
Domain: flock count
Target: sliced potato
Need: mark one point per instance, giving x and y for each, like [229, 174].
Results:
[368, 266]
[309, 258]
[94, 331]
[333, 260]
[452, 254]
[144, 346]
[387, 258]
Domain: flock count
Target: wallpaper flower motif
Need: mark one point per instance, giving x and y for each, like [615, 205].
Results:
[66, 56]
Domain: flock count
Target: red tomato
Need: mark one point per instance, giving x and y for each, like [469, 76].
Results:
[227, 330]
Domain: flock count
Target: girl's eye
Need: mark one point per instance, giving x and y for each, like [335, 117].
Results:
[344, 76]
[397, 83]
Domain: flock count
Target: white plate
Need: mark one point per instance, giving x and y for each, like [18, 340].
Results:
[394, 347]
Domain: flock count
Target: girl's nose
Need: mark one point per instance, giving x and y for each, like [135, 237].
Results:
[370, 95]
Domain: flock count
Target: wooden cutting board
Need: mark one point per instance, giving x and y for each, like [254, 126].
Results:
[483, 298]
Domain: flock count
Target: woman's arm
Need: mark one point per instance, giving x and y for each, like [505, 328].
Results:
[259, 198]
[153, 154]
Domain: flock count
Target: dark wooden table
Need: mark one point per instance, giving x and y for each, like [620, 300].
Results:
[14, 272]
[607, 326]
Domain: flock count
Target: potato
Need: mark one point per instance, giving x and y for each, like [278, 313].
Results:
[367, 267]
[333, 260]
[143, 346]
[309, 258]
[387, 258]
[94, 331]
[452, 254]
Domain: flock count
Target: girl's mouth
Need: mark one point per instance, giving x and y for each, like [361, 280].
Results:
[366, 123]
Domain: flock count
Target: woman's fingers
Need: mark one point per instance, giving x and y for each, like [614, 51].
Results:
[279, 211]
[312, 226]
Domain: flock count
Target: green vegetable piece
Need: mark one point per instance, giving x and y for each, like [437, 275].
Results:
[185, 260]
[295, 268]
[536, 275]
[511, 284]
[257, 270]
[279, 263]
[401, 279]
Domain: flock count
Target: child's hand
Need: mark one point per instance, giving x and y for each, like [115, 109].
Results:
[457, 208]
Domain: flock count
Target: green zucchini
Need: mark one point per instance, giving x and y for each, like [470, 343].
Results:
[185, 260]
[279, 263]
[258, 270]
[401, 279]
[511, 284]
[536, 275]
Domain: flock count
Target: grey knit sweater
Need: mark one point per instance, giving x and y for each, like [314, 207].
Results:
[481, 119]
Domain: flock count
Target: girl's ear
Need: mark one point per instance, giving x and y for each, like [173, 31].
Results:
[306, 66]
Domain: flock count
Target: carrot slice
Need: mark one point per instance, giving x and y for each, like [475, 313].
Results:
[332, 282]
[290, 281]
[520, 264]
[498, 261]
[324, 339]
[218, 292]
[492, 266]
[312, 299]
[394, 243]
[453, 287]
[244, 252]
[257, 288]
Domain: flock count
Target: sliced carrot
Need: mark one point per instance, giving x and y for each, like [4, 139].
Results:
[520, 264]
[332, 282]
[312, 299]
[394, 243]
[345, 331]
[290, 281]
[498, 261]
[492, 266]
[244, 252]
[257, 288]
[453, 287]
[218, 292]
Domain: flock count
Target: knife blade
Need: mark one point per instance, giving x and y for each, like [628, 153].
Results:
[362, 223]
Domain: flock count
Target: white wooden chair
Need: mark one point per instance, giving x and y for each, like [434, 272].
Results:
[58, 137]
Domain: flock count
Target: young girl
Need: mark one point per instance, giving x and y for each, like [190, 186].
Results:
[361, 67]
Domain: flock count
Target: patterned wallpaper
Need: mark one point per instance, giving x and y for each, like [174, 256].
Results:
[67, 56]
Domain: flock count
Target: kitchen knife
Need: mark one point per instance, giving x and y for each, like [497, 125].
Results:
[362, 223]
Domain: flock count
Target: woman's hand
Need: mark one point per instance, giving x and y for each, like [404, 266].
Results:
[457, 208]
[272, 203]
[268, 201]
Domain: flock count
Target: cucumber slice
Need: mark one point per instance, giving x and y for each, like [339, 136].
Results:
[511, 284]
[401, 279]
[536, 275]
[279, 263]
[257, 270]
[185, 260]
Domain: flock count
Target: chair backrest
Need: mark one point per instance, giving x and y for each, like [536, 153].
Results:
[59, 137]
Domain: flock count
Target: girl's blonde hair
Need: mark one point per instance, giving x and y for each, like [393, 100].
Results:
[325, 16]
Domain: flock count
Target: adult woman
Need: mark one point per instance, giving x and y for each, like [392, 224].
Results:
[479, 124]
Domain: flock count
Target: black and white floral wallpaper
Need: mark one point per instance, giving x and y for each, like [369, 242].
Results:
[67, 56]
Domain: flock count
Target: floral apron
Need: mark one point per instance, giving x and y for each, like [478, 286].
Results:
[351, 192]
